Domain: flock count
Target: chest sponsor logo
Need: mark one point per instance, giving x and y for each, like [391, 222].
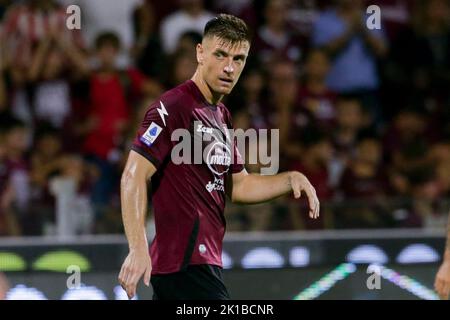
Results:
[203, 129]
[217, 185]
[218, 158]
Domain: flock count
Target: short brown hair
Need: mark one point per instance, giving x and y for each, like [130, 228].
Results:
[107, 38]
[227, 27]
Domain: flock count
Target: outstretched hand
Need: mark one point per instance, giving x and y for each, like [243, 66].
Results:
[442, 281]
[136, 264]
[299, 183]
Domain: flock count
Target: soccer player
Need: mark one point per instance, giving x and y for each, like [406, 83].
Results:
[189, 199]
[442, 281]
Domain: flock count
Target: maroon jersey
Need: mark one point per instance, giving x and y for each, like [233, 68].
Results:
[188, 198]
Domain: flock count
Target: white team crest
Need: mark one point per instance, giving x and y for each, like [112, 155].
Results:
[151, 134]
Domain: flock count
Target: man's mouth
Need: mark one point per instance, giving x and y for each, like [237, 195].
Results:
[227, 80]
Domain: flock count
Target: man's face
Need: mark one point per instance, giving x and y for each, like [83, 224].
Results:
[221, 63]
[107, 55]
[283, 82]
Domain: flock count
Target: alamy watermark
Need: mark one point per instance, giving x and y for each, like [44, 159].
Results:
[374, 280]
[374, 19]
[220, 149]
[74, 280]
[73, 21]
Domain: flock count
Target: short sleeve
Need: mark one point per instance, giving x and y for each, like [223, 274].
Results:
[153, 139]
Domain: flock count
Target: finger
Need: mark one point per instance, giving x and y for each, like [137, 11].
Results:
[438, 286]
[445, 291]
[311, 202]
[147, 276]
[440, 289]
[131, 290]
[132, 282]
[126, 278]
[317, 208]
[121, 277]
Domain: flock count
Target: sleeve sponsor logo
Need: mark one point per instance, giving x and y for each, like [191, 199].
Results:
[151, 134]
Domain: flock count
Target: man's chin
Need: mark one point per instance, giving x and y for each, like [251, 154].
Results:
[224, 90]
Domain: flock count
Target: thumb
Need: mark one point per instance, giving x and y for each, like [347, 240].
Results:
[148, 273]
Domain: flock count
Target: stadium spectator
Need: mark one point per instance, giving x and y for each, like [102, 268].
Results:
[364, 180]
[353, 47]
[3, 93]
[274, 40]
[422, 52]
[244, 9]
[314, 94]
[147, 48]
[316, 158]
[113, 95]
[424, 192]
[440, 158]
[82, 175]
[182, 64]
[283, 112]
[396, 15]
[354, 51]
[350, 121]
[27, 22]
[17, 196]
[8, 221]
[190, 17]
[303, 14]
[334, 87]
[188, 41]
[100, 16]
[14, 77]
[55, 64]
[46, 162]
[50, 160]
[363, 176]
[406, 146]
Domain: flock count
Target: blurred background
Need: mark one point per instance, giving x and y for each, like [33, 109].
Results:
[364, 114]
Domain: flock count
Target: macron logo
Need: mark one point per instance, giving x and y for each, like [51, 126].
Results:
[162, 112]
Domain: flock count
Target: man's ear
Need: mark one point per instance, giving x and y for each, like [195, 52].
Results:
[200, 53]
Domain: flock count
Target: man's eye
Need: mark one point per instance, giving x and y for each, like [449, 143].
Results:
[219, 55]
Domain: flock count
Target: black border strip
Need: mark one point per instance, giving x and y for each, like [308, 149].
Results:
[146, 155]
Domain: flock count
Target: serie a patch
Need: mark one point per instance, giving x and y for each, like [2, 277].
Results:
[151, 134]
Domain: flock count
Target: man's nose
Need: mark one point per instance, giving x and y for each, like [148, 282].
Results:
[229, 68]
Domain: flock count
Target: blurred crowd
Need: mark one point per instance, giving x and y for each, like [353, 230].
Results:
[364, 114]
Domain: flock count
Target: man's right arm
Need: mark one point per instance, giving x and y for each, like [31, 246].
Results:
[442, 281]
[133, 188]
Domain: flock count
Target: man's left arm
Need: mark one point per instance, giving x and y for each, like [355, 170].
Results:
[253, 188]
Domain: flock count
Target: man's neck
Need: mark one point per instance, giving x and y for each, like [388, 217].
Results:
[210, 96]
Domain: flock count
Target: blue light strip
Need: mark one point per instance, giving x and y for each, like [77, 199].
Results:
[406, 283]
[328, 281]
